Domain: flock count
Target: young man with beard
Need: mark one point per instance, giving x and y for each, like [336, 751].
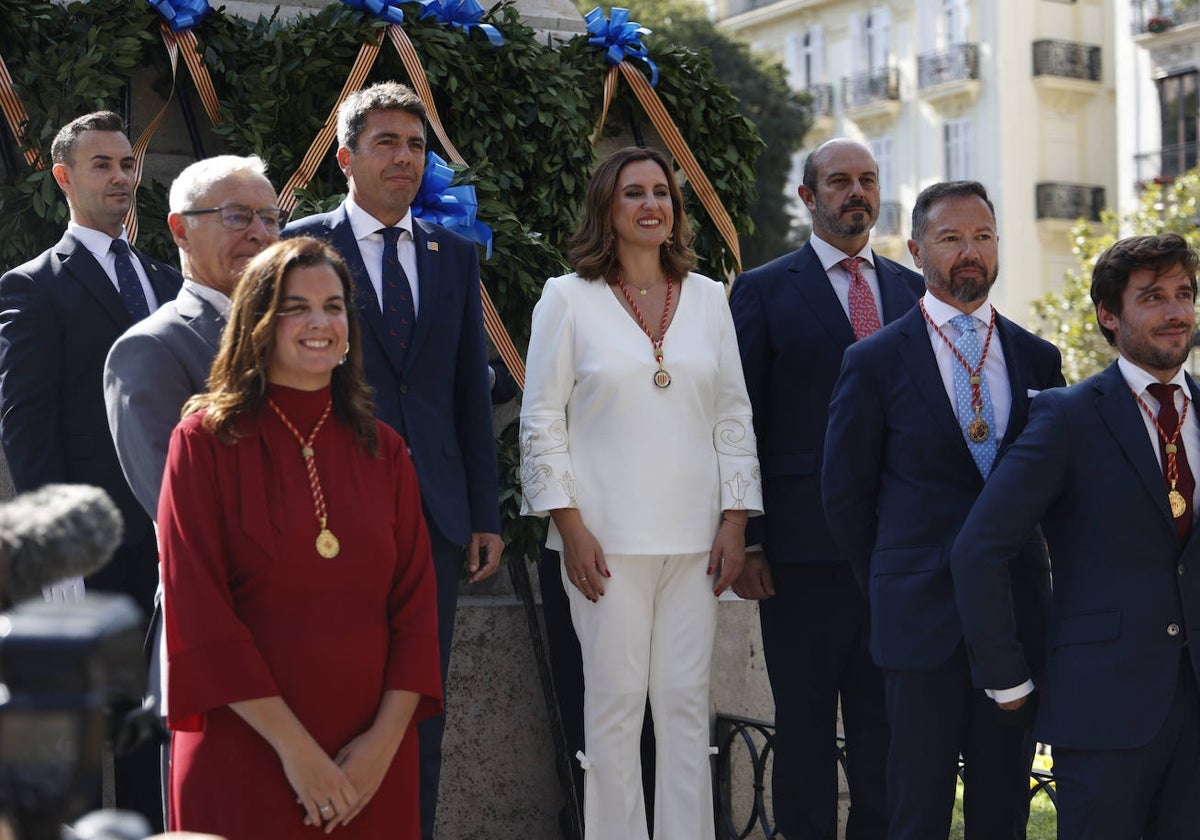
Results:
[1105, 466]
[795, 317]
[920, 414]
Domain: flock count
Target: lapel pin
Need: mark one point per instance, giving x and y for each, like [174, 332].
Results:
[431, 245]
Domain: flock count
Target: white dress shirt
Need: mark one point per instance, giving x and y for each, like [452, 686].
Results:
[99, 244]
[839, 278]
[650, 469]
[370, 247]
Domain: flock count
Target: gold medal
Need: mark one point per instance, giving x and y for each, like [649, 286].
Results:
[1178, 505]
[327, 544]
[978, 431]
[661, 378]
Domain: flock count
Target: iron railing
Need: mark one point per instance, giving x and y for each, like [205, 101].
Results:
[891, 219]
[822, 99]
[1067, 59]
[956, 63]
[1069, 201]
[1164, 165]
[871, 86]
[1161, 15]
[742, 739]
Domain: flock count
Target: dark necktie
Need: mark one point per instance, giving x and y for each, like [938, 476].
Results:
[1185, 482]
[128, 283]
[864, 317]
[398, 313]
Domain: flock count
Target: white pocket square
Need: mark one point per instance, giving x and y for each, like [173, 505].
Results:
[1031, 392]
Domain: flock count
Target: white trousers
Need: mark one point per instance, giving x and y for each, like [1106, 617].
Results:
[651, 633]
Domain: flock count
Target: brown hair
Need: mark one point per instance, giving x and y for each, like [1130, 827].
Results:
[383, 96]
[62, 150]
[1111, 274]
[237, 383]
[591, 253]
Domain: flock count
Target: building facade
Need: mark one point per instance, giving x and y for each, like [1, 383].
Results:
[1017, 94]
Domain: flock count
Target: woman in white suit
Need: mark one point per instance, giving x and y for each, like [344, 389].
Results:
[636, 439]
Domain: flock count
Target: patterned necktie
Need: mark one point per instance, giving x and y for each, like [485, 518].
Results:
[398, 312]
[968, 345]
[864, 317]
[128, 283]
[1185, 483]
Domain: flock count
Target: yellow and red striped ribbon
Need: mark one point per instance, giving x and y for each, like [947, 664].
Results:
[204, 84]
[14, 114]
[416, 72]
[678, 147]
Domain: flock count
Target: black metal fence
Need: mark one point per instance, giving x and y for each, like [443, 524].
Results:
[1067, 59]
[956, 63]
[745, 745]
[871, 86]
[1069, 201]
[891, 219]
[822, 99]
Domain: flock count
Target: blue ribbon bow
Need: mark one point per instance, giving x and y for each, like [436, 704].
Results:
[619, 37]
[464, 14]
[181, 14]
[451, 207]
[386, 10]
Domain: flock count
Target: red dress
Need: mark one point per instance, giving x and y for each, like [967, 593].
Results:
[252, 610]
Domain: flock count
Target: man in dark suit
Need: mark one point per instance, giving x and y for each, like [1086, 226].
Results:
[223, 212]
[424, 350]
[921, 412]
[794, 321]
[59, 315]
[1106, 468]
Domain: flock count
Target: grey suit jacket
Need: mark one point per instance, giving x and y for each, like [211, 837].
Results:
[150, 373]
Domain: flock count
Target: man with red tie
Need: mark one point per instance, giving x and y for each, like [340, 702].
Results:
[795, 317]
[1106, 468]
[921, 413]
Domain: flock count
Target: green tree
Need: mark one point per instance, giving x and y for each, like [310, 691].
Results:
[759, 83]
[1067, 317]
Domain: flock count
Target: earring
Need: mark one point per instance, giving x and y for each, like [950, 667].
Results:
[670, 241]
[345, 354]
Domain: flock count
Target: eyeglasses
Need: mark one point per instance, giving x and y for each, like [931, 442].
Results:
[239, 216]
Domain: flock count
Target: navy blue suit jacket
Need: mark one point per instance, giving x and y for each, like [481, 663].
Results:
[59, 315]
[792, 332]
[899, 482]
[437, 397]
[1126, 592]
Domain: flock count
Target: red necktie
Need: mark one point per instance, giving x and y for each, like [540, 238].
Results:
[864, 317]
[1185, 483]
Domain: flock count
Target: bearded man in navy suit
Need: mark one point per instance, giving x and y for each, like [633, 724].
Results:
[424, 350]
[922, 411]
[794, 321]
[1108, 469]
[59, 315]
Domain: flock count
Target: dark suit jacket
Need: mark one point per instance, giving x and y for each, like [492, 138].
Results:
[151, 371]
[438, 398]
[792, 332]
[899, 481]
[1126, 593]
[59, 315]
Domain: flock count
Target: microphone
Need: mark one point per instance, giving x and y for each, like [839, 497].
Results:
[57, 532]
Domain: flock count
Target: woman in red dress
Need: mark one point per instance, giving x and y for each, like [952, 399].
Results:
[299, 589]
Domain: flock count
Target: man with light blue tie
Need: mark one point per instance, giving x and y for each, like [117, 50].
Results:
[922, 412]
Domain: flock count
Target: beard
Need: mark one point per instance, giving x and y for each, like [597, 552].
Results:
[963, 289]
[1139, 350]
[834, 223]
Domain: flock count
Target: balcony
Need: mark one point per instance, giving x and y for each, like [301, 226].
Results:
[1066, 74]
[1056, 200]
[949, 79]
[1066, 59]
[821, 129]
[1155, 17]
[872, 99]
[1164, 165]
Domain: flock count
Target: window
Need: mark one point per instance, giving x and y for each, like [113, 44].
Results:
[956, 22]
[956, 137]
[1179, 104]
[878, 37]
[881, 150]
[814, 56]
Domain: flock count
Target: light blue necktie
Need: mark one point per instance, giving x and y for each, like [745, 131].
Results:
[968, 345]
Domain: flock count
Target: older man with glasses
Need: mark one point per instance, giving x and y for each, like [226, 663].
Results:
[222, 213]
